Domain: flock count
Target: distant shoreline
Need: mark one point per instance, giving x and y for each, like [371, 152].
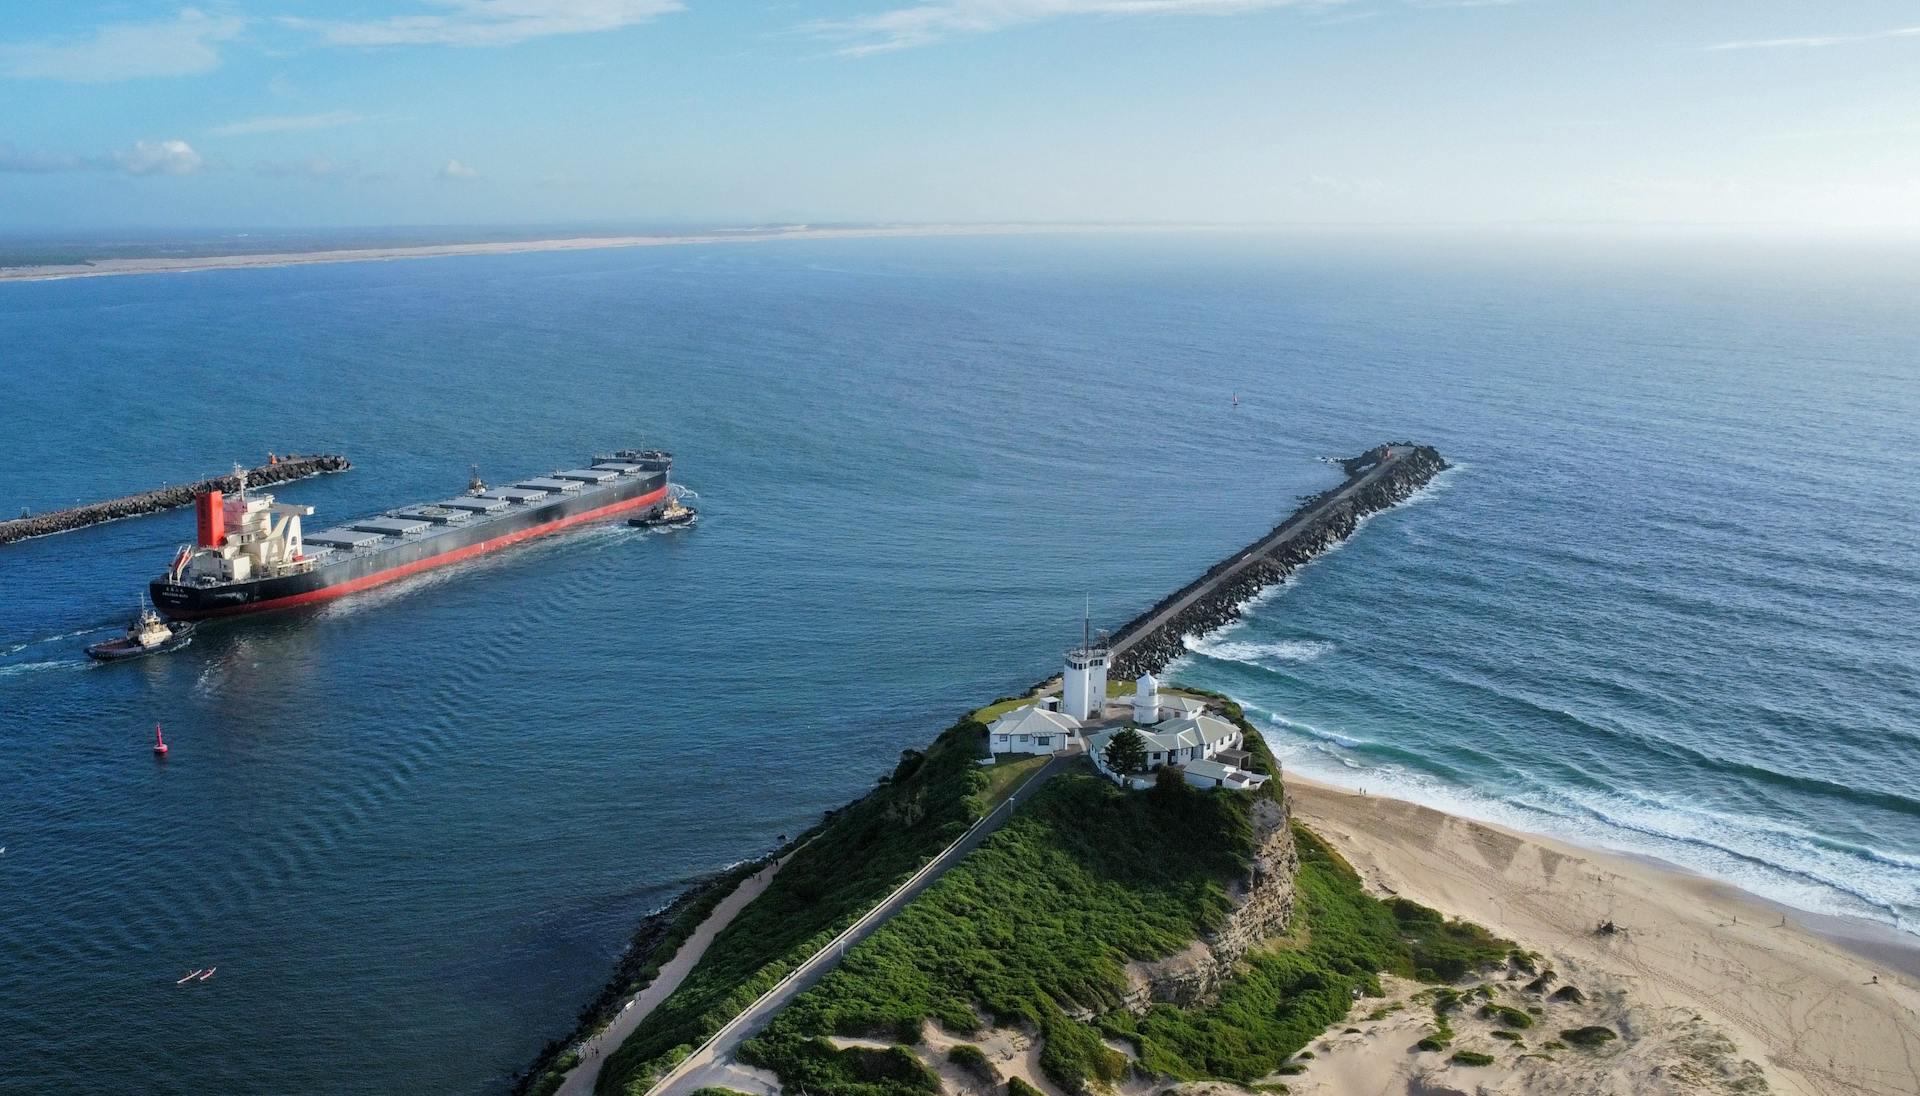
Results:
[110, 267]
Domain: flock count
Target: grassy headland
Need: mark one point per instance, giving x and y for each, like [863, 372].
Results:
[1035, 929]
[838, 871]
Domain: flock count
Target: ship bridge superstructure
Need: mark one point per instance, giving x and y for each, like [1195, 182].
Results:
[243, 538]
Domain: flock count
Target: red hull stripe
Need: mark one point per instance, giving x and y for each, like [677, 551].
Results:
[417, 566]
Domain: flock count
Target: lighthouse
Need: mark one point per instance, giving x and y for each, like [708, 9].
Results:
[1083, 684]
[1146, 701]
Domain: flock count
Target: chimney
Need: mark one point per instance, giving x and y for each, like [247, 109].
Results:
[213, 519]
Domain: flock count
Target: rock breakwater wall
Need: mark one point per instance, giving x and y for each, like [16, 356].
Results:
[164, 498]
[1378, 479]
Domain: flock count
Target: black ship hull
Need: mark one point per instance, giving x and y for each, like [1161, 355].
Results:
[363, 570]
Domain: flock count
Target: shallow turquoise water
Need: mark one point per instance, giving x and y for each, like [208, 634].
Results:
[1668, 602]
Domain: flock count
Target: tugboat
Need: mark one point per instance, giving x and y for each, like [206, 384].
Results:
[146, 635]
[675, 512]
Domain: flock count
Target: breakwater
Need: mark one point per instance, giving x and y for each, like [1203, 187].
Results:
[1382, 477]
[164, 498]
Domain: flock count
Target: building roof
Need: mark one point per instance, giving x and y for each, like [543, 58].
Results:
[1226, 774]
[1032, 719]
[1185, 705]
[1189, 730]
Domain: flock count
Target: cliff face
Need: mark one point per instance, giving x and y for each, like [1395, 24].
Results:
[1263, 909]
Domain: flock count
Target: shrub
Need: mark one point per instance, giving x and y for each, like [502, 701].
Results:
[1471, 1058]
[1018, 1087]
[973, 1062]
[1433, 1042]
[1592, 1035]
[1506, 1016]
[1509, 1036]
[1568, 993]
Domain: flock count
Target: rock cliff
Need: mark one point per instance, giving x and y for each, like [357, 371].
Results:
[1263, 909]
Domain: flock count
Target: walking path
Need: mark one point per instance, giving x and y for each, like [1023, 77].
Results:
[711, 1064]
[593, 1050]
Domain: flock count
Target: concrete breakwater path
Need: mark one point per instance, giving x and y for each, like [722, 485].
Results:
[1382, 477]
[164, 498]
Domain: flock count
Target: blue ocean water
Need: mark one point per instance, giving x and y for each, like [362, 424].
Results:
[1669, 600]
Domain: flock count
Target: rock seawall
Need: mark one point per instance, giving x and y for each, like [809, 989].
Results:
[164, 498]
[1263, 909]
[1148, 643]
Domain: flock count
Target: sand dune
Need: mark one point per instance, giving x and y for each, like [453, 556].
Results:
[1818, 1017]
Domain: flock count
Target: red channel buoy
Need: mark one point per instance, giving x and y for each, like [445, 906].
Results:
[159, 744]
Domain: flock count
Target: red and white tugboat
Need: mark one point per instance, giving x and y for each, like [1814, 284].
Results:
[146, 635]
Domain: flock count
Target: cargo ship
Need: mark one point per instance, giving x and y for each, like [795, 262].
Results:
[251, 554]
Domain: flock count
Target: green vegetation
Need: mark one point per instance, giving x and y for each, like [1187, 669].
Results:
[716, 1090]
[1568, 993]
[1007, 774]
[1001, 707]
[1506, 1016]
[973, 1062]
[1018, 1087]
[841, 868]
[1041, 920]
[654, 944]
[1593, 1035]
[1509, 1036]
[1471, 1058]
[549, 1079]
[1127, 752]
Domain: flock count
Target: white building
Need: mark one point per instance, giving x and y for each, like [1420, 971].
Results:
[1032, 730]
[1215, 774]
[1146, 701]
[1186, 741]
[1083, 685]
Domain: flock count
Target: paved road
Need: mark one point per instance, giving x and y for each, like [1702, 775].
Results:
[582, 1078]
[709, 1064]
[1287, 531]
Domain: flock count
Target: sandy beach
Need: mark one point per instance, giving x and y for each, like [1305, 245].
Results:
[108, 267]
[1818, 1012]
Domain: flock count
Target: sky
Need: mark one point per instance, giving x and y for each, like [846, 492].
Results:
[303, 113]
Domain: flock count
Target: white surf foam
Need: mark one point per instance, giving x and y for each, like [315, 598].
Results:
[1234, 650]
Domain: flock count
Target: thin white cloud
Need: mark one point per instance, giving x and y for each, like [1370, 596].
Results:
[287, 123]
[1819, 41]
[41, 163]
[170, 157]
[181, 46]
[455, 170]
[488, 22]
[174, 157]
[313, 167]
[923, 24]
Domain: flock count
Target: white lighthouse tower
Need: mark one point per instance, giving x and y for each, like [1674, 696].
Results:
[1146, 701]
[1083, 685]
